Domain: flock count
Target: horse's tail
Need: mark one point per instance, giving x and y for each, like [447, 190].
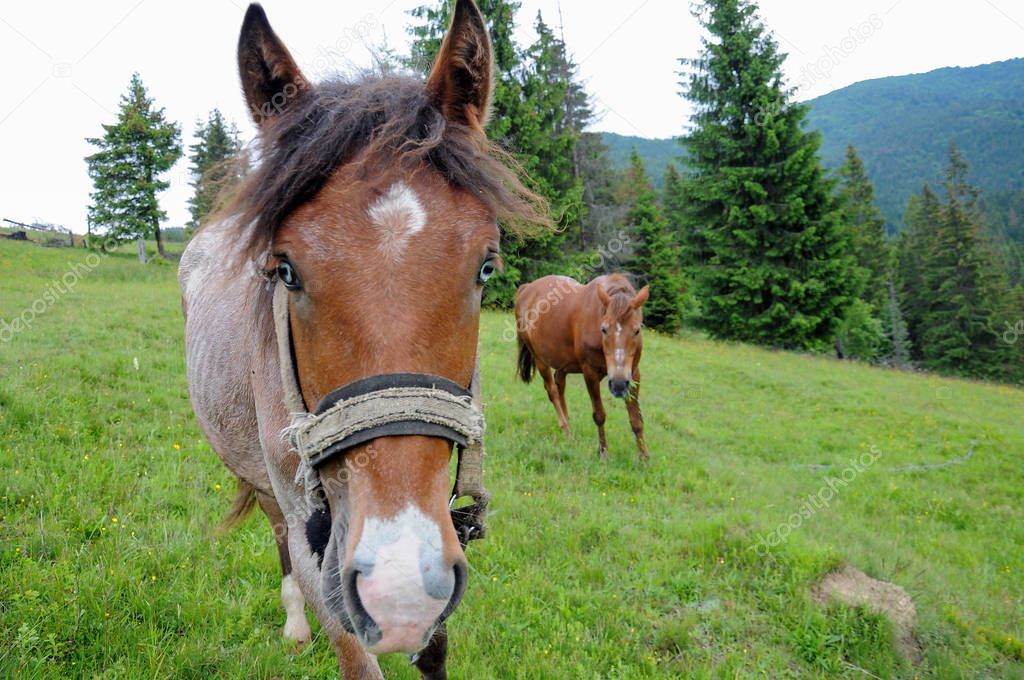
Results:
[245, 500]
[525, 364]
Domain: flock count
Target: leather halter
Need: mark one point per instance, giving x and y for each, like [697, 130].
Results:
[386, 405]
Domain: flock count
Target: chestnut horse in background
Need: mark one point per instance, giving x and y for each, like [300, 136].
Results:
[373, 215]
[566, 327]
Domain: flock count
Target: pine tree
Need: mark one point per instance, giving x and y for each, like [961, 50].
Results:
[966, 285]
[125, 171]
[654, 258]
[866, 226]
[215, 164]
[778, 268]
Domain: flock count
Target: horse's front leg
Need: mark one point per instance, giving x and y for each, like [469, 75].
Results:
[636, 419]
[431, 662]
[296, 627]
[593, 381]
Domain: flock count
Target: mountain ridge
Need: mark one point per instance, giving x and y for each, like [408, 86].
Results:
[902, 127]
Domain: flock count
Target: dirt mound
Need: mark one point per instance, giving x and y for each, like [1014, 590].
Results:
[854, 588]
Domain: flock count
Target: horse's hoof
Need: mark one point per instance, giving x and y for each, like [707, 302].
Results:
[644, 458]
[299, 634]
[603, 453]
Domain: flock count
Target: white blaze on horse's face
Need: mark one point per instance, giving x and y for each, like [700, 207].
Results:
[618, 358]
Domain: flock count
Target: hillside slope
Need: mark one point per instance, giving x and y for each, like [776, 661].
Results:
[109, 494]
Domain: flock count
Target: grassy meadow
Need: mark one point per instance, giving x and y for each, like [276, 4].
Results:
[110, 568]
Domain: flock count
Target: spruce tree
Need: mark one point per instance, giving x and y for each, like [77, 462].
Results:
[1011, 334]
[654, 259]
[673, 201]
[866, 227]
[778, 268]
[898, 345]
[558, 110]
[125, 171]
[602, 215]
[965, 285]
[215, 164]
[922, 219]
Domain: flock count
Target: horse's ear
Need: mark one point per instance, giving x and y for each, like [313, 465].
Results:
[603, 296]
[640, 298]
[271, 79]
[460, 82]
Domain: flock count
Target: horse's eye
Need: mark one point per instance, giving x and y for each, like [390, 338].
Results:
[604, 330]
[286, 273]
[487, 270]
[636, 332]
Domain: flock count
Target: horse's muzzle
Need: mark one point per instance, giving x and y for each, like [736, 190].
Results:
[618, 387]
[396, 585]
[404, 619]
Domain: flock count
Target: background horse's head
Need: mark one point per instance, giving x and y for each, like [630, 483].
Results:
[621, 319]
[376, 203]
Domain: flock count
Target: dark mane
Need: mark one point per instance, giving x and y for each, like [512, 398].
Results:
[621, 291]
[381, 119]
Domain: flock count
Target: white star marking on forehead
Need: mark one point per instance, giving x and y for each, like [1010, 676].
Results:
[399, 214]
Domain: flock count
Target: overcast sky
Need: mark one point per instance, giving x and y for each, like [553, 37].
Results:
[66, 64]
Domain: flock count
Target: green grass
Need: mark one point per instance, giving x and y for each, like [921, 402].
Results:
[591, 569]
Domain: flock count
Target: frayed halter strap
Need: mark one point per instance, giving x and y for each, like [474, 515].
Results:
[387, 405]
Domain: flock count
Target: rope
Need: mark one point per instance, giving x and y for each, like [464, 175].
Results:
[314, 434]
[905, 468]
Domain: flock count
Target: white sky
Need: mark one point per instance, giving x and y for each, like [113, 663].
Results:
[66, 65]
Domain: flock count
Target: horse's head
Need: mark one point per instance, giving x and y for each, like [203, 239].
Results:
[621, 319]
[377, 202]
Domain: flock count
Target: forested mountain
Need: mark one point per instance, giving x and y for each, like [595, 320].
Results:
[902, 127]
[656, 153]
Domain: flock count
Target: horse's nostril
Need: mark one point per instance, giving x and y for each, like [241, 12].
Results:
[363, 625]
[618, 387]
[460, 588]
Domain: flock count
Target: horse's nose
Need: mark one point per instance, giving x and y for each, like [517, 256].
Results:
[397, 593]
[387, 617]
[618, 387]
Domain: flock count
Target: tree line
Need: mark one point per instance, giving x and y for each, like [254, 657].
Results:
[750, 238]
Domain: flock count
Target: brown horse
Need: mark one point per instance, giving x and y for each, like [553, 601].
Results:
[566, 327]
[366, 232]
